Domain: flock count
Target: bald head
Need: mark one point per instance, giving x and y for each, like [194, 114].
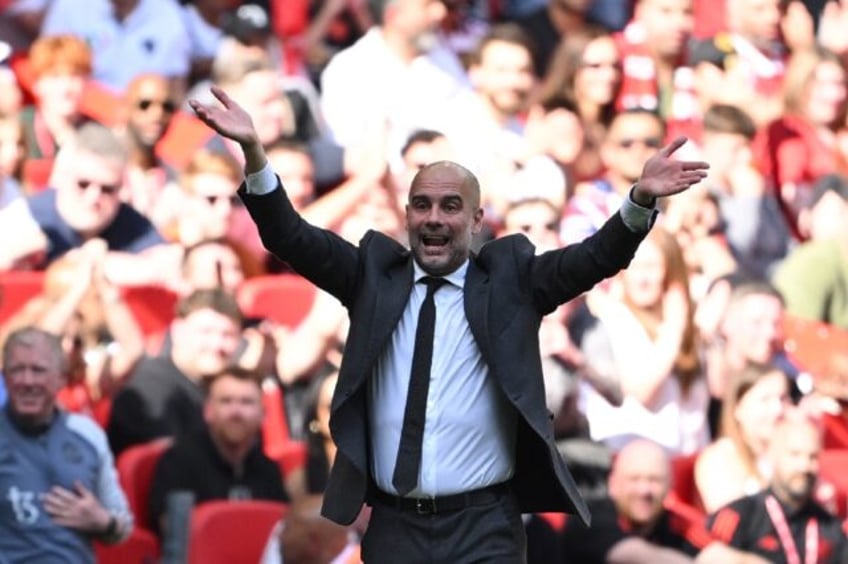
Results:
[794, 454]
[639, 482]
[443, 214]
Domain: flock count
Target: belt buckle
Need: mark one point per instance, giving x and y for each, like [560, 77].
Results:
[425, 506]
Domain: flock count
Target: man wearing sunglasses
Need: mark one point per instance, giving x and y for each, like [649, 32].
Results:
[85, 203]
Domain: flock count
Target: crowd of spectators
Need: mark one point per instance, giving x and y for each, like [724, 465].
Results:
[109, 184]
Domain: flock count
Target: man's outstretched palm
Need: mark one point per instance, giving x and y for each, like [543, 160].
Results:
[663, 175]
[230, 121]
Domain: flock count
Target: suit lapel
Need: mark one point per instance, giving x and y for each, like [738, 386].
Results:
[390, 301]
[477, 290]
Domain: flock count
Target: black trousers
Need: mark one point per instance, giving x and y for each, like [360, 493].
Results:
[490, 533]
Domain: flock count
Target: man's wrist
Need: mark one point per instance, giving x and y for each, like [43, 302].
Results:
[640, 198]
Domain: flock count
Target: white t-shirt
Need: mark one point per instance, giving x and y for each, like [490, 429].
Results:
[152, 39]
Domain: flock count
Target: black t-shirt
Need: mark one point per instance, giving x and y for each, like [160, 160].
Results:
[194, 464]
[745, 525]
[582, 545]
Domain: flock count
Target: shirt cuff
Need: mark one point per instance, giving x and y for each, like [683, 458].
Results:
[637, 218]
[261, 182]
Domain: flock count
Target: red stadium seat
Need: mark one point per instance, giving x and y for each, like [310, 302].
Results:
[290, 457]
[832, 466]
[814, 345]
[36, 174]
[152, 307]
[283, 298]
[16, 288]
[683, 497]
[275, 426]
[232, 532]
[136, 467]
[142, 547]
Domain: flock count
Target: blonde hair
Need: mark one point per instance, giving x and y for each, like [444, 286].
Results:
[210, 162]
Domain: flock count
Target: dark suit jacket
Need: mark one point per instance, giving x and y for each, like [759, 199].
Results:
[508, 289]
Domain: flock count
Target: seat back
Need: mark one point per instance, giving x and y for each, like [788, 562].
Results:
[136, 466]
[16, 289]
[282, 298]
[142, 547]
[832, 466]
[153, 307]
[232, 532]
[683, 495]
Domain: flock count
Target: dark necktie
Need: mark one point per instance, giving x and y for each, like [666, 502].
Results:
[409, 452]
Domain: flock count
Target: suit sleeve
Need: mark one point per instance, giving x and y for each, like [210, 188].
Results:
[323, 257]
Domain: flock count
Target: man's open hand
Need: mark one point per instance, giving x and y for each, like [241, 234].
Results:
[229, 120]
[664, 175]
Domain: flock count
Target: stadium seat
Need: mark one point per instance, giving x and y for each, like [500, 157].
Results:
[35, 175]
[16, 288]
[142, 547]
[832, 466]
[683, 496]
[275, 426]
[232, 532]
[282, 298]
[136, 467]
[813, 345]
[290, 457]
[152, 307]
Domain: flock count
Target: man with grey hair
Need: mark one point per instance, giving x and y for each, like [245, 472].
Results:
[84, 203]
[59, 488]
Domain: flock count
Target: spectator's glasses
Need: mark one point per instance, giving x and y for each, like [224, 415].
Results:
[168, 106]
[528, 227]
[105, 189]
[213, 199]
[649, 142]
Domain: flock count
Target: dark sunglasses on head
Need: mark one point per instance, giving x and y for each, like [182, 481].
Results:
[107, 189]
[650, 142]
[168, 106]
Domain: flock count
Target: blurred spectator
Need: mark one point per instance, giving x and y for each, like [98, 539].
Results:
[398, 73]
[632, 525]
[586, 71]
[795, 150]
[463, 27]
[633, 137]
[784, 521]
[20, 22]
[749, 331]
[164, 396]
[736, 464]
[85, 203]
[203, 21]
[11, 96]
[422, 147]
[334, 25]
[752, 224]
[814, 277]
[100, 337]
[12, 151]
[744, 66]
[224, 460]
[306, 537]
[655, 74]
[149, 106]
[127, 38]
[320, 448]
[214, 263]
[58, 475]
[60, 66]
[551, 23]
[485, 125]
[656, 352]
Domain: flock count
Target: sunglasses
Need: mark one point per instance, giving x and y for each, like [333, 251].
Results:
[527, 227]
[214, 199]
[168, 106]
[649, 142]
[106, 189]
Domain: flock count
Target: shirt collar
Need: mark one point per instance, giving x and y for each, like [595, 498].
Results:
[457, 277]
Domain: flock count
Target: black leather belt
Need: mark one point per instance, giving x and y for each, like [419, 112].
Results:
[444, 503]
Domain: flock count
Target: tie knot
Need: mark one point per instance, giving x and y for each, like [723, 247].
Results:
[433, 284]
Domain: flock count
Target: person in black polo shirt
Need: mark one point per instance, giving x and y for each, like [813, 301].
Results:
[783, 524]
[225, 460]
[632, 524]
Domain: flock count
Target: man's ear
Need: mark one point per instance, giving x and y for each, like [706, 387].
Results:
[478, 221]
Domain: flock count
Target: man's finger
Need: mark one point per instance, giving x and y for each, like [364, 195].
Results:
[81, 489]
[222, 96]
[669, 149]
[695, 165]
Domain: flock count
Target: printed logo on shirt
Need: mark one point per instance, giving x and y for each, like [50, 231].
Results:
[23, 505]
[769, 543]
